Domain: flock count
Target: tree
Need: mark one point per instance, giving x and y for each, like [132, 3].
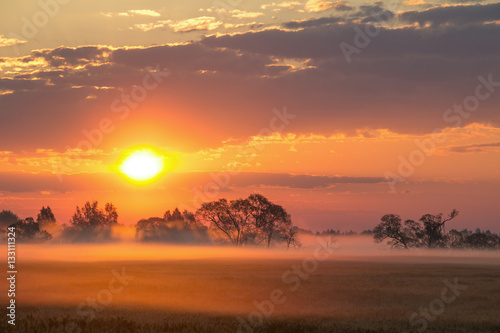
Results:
[91, 223]
[175, 227]
[434, 232]
[430, 233]
[176, 215]
[270, 219]
[251, 220]
[399, 235]
[47, 221]
[290, 236]
[7, 218]
[230, 219]
[91, 216]
[149, 229]
[28, 230]
[456, 239]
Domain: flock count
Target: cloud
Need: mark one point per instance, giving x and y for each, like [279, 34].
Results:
[299, 181]
[198, 23]
[152, 26]
[250, 25]
[290, 5]
[242, 14]
[342, 6]
[19, 182]
[415, 3]
[475, 148]
[458, 15]
[236, 13]
[132, 12]
[373, 13]
[202, 23]
[391, 83]
[6, 41]
[316, 6]
[323, 41]
[145, 12]
[307, 23]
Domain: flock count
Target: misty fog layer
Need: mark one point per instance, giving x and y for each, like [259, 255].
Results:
[361, 248]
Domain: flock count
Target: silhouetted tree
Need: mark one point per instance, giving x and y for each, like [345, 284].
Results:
[270, 220]
[149, 229]
[176, 215]
[430, 233]
[399, 234]
[91, 216]
[246, 221]
[230, 219]
[47, 221]
[7, 218]
[290, 236]
[482, 240]
[90, 223]
[434, 232]
[175, 227]
[28, 230]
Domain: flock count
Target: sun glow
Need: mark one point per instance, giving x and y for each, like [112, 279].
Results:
[142, 165]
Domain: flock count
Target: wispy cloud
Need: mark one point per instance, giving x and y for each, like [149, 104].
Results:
[202, 23]
[475, 148]
[316, 6]
[290, 5]
[236, 13]
[198, 23]
[6, 41]
[145, 12]
[132, 12]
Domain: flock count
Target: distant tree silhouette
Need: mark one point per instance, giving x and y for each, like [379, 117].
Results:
[428, 232]
[90, 215]
[290, 236]
[174, 227]
[47, 221]
[176, 215]
[28, 230]
[7, 218]
[90, 223]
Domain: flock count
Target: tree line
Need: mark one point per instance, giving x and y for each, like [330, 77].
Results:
[429, 232]
[254, 220]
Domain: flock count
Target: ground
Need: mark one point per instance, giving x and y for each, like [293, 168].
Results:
[348, 294]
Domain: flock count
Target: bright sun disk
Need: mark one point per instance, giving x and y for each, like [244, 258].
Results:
[142, 165]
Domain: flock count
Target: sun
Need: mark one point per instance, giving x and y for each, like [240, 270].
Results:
[142, 165]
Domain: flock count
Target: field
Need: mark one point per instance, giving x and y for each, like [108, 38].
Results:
[227, 290]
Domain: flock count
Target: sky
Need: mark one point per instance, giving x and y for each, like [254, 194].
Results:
[341, 111]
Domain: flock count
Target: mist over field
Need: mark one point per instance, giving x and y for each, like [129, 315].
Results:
[357, 247]
[352, 283]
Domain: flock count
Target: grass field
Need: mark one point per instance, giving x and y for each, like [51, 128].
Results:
[218, 294]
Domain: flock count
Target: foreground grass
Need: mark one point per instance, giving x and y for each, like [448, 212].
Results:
[58, 319]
